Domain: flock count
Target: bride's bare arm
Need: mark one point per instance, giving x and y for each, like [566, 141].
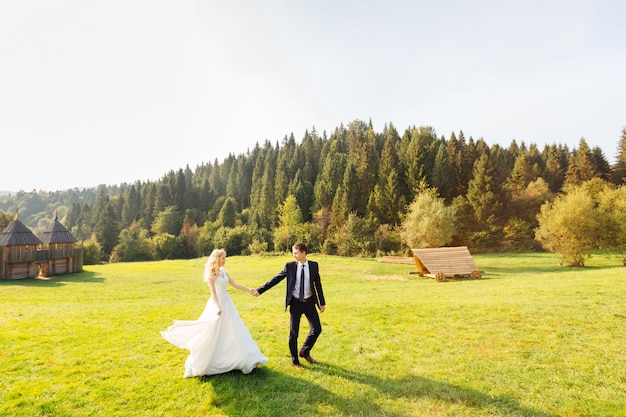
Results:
[239, 286]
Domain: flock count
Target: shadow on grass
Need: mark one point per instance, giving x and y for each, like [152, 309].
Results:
[505, 272]
[529, 264]
[417, 387]
[271, 393]
[55, 280]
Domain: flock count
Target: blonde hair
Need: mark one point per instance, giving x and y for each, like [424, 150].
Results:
[212, 266]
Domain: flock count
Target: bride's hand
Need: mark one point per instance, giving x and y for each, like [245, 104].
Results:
[219, 311]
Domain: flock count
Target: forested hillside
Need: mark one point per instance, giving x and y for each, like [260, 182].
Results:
[346, 192]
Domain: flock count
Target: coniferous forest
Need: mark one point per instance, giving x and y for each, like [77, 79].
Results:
[352, 192]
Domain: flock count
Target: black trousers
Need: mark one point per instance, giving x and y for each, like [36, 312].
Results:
[296, 309]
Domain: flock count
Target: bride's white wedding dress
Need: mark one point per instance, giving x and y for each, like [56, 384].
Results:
[216, 344]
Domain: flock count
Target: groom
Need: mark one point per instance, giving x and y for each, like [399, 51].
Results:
[304, 293]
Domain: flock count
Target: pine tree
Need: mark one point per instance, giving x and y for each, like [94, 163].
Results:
[329, 178]
[391, 203]
[619, 169]
[233, 183]
[553, 172]
[390, 163]
[258, 162]
[206, 198]
[443, 175]
[470, 155]
[603, 168]
[302, 188]
[363, 153]
[284, 168]
[107, 228]
[339, 208]
[228, 213]
[298, 190]
[267, 200]
[481, 193]
[131, 208]
[419, 158]
[581, 166]
[180, 190]
[455, 149]
[524, 172]
[215, 179]
[72, 218]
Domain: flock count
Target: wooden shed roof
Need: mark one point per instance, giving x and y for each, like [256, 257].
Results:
[17, 234]
[57, 233]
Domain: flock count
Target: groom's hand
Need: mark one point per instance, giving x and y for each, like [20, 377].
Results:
[255, 293]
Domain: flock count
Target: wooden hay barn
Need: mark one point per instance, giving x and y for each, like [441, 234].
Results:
[19, 257]
[445, 262]
[62, 256]
[24, 255]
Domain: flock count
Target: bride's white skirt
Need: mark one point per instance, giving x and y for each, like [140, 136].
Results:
[216, 344]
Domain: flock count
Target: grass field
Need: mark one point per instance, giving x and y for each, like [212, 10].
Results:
[530, 339]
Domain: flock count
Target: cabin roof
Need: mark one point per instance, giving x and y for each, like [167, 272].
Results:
[56, 233]
[17, 234]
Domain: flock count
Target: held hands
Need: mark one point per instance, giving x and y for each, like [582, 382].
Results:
[254, 292]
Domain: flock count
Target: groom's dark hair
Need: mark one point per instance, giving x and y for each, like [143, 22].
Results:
[301, 247]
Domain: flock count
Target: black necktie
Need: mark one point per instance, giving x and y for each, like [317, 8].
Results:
[302, 284]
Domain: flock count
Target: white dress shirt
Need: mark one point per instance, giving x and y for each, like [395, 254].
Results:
[307, 281]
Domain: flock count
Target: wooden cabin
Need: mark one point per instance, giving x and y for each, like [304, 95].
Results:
[62, 257]
[19, 255]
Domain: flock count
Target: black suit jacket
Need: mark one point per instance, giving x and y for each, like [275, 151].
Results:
[289, 272]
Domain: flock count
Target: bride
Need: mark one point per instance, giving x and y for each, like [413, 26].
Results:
[218, 341]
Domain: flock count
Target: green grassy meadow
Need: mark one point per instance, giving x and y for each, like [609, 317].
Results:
[530, 339]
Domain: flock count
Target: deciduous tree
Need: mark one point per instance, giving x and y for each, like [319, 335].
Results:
[569, 226]
[168, 221]
[429, 223]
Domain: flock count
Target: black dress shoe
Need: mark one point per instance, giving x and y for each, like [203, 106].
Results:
[307, 357]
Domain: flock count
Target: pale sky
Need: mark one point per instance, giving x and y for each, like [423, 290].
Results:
[112, 91]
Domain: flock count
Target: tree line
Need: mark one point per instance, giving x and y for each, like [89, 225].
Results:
[353, 192]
